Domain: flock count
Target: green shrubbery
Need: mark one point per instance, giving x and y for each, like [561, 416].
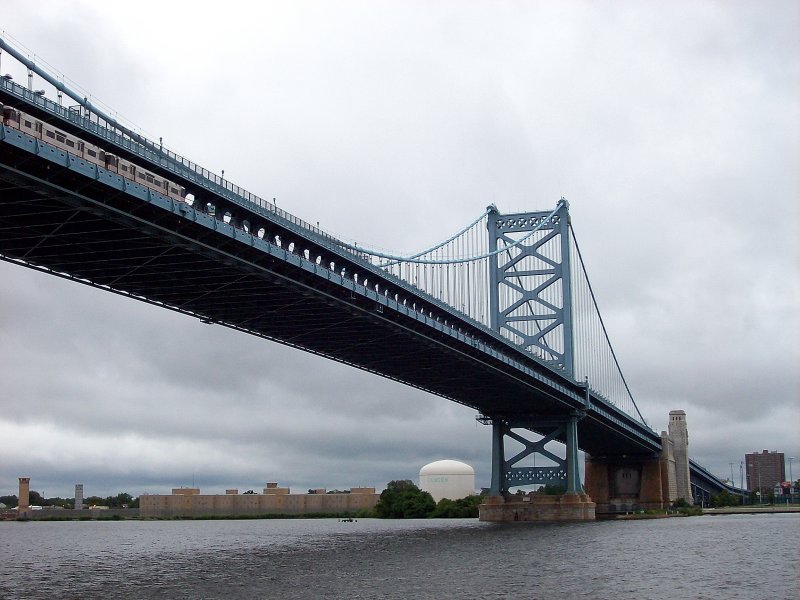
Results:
[404, 500]
[682, 507]
[725, 498]
[121, 500]
[457, 509]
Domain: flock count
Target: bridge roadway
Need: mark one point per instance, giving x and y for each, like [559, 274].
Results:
[246, 265]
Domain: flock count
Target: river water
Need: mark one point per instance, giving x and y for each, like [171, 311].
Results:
[740, 556]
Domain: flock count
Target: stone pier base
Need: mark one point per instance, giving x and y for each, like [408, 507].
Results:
[621, 485]
[537, 507]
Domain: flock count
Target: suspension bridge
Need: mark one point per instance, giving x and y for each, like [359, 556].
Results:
[499, 317]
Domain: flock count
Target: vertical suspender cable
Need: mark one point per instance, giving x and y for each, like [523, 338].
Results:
[602, 325]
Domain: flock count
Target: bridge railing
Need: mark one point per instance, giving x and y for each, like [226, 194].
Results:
[463, 289]
[155, 153]
[720, 483]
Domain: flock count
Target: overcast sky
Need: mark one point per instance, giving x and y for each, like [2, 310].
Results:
[671, 127]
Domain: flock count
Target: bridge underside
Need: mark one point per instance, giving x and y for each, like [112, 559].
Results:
[63, 222]
[78, 224]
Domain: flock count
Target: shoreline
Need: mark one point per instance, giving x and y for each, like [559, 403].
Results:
[751, 510]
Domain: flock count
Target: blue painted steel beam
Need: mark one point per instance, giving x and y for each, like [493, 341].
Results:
[188, 174]
[539, 317]
[495, 360]
[563, 471]
[515, 365]
[602, 414]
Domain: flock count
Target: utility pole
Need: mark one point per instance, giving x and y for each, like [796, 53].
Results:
[760, 495]
[741, 477]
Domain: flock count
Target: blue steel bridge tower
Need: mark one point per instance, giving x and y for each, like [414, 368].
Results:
[530, 303]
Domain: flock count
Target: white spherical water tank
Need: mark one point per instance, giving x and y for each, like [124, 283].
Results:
[447, 479]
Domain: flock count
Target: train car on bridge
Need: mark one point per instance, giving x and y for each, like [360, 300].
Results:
[90, 153]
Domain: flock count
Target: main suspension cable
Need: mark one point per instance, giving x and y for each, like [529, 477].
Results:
[415, 258]
[603, 325]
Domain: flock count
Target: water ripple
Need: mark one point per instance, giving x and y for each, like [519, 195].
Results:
[699, 557]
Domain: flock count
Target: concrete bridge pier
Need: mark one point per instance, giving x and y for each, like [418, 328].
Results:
[501, 505]
[623, 483]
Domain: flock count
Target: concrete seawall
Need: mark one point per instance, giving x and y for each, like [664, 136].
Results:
[751, 510]
[71, 513]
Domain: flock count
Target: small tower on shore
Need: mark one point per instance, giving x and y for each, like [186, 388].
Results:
[78, 496]
[679, 434]
[24, 504]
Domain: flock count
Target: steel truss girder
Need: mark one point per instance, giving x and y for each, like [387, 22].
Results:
[541, 316]
[565, 471]
[139, 215]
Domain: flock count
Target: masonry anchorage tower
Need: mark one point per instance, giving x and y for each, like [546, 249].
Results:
[679, 434]
[530, 303]
[24, 502]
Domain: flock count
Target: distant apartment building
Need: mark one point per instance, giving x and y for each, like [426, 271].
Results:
[765, 470]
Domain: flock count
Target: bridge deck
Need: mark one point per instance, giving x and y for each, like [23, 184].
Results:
[132, 241]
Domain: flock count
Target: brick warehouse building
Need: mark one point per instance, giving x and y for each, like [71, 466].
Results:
[275, 500]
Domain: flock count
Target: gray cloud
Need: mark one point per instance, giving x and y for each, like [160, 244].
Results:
[672, 129]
